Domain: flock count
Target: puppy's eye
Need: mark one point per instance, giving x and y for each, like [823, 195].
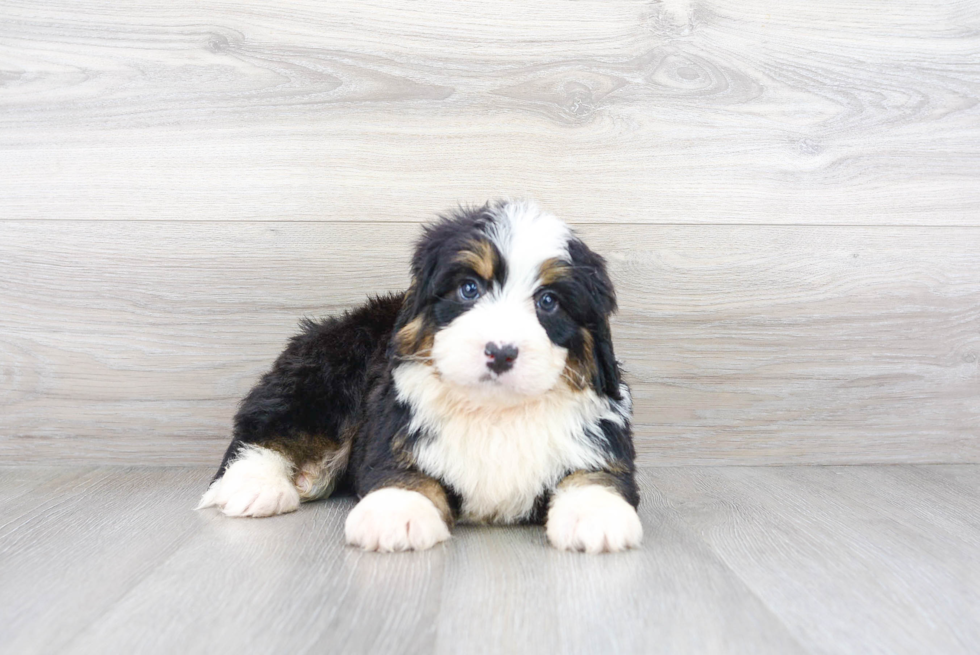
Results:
[469, 290]
[547, 302]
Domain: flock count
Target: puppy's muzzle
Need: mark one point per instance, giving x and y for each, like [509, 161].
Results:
[500, 358]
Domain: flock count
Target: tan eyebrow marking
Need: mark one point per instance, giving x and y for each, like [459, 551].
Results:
[479, 256]
[553, 270]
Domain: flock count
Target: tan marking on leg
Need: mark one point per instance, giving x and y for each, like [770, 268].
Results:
[431, 489]
[613, 477]
[318, 478]
[318, 460]
[588, 478]
[401, 450]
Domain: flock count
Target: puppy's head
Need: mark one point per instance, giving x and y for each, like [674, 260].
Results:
[507, 302]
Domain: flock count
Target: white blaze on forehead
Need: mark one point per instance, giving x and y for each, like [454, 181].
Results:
[527, 237]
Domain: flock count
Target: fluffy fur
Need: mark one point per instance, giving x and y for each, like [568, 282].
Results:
[392, 519]
[258, 483]
[487, 392]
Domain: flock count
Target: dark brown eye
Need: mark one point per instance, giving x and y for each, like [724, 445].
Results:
[469, 290]
[547, 302]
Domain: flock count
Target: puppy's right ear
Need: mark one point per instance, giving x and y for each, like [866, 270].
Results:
[424, 262]
[406, 335]
[443, 236]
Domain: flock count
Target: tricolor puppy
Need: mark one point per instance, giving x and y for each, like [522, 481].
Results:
[488, 393]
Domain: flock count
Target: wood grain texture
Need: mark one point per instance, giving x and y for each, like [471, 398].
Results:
[843, 563]
[287, 584]
[671, 596]
[763, 561]
[212, 171]
[132, 342]
[80, 541]
[680, 111]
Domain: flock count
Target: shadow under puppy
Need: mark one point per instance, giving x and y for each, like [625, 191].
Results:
[487, 392]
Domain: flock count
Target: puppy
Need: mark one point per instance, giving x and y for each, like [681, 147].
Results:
[488, 392]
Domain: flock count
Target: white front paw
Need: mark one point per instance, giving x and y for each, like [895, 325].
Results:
[258, 483]
[392, 519]
[594, 519]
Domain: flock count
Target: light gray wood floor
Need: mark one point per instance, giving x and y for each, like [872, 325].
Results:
[877, 559]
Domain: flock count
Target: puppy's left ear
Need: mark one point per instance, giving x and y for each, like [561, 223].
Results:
[607, 368]
[590, 269]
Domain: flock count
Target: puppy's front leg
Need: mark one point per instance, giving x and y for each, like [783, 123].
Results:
[590, 512]
[406, 511]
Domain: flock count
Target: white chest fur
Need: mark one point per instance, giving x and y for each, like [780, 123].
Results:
[498, 456]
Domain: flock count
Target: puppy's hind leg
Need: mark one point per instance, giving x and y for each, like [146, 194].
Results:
[318, 477]
[257, 482]
[294, 429]
[274, 477]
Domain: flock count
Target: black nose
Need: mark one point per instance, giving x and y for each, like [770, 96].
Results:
[500, 358]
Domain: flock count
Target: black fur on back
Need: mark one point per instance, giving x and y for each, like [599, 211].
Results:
[318, 385]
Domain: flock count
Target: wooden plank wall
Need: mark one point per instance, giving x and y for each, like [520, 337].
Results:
[788, 193]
